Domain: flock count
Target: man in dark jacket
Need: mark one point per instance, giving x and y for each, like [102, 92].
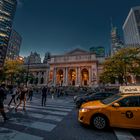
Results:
[44, 95]
[2, 97]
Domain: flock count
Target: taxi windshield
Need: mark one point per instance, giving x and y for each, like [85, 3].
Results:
[111, 99]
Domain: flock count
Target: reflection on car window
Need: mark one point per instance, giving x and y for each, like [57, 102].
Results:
[132, 101]
[111, 99]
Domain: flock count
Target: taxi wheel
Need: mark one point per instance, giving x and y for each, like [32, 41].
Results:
[99, 122]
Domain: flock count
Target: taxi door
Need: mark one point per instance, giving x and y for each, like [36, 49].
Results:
[128, 114]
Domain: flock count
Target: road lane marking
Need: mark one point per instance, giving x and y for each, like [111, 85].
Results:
[123, 135]
[10, 134]
[46, 117]
[43, 111]
[53, 108]
[37, 125]
[48, 111]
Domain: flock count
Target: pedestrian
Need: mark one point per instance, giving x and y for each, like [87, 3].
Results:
[22, 97]
[52, 90]
[13, 93]
[58, 91]
[30, 94]
[2, 97]
[44, 95]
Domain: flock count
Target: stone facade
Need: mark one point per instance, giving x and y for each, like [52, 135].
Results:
[40, 73]
[76, 68]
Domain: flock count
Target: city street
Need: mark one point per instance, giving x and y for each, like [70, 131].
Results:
[58, 120]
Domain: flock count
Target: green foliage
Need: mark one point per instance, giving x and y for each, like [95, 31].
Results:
[124, 63]
[13, 71]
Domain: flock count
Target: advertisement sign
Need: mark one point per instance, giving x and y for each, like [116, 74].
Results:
[129, 89]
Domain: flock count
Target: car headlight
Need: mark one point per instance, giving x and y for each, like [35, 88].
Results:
[84, 110]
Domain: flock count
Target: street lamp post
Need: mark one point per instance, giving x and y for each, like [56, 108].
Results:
[28, 66]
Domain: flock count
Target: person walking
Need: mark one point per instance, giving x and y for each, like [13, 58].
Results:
[13, 95]
[58, 91]
[44, 95]
[2, 97]
[30, 94]
[22, 97]
[52, 91]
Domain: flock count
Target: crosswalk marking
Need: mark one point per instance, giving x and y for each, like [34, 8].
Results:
[9, 134]
[60, 106]
[48, 111]
[51, 117]
[67, 106]
[55, 108]
[123, 135]
[45, 117]
[36, 117]
[37, 125]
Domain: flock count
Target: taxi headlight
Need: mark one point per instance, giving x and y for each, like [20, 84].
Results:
[84, 110]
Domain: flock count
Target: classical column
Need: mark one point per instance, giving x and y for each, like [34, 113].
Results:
[47, 77]
[66, 76]
[54, 77]
[76, 82]
[89, 76]
[39, 77]
[79, 76]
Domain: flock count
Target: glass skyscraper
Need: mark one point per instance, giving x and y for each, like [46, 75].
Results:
[131, 27]
[116, 42]
[14, 45]
[7, 12]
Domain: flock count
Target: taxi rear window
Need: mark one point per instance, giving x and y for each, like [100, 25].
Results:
[111, 99]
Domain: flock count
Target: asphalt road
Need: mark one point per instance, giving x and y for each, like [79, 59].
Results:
[56, 121]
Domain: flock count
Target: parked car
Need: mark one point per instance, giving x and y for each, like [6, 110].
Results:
[92, 97]
[77, 97]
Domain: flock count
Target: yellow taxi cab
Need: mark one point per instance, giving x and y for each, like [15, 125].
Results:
[120, 110]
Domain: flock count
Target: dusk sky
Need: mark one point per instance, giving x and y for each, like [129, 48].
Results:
[59, 26]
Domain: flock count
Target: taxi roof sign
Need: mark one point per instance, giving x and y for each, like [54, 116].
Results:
[129, 89]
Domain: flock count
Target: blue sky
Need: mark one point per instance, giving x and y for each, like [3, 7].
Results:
[59, 26]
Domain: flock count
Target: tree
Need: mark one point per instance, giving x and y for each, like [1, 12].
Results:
[13, 70]
[124, 63]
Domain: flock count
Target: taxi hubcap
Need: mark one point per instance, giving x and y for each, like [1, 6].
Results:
[99, 122]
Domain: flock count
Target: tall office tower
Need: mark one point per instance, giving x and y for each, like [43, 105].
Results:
[14, 46]
[131, 27]
[98, 50]
[7, 12]
[116, 42]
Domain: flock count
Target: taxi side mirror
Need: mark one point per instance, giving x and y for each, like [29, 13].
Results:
[116, 105]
